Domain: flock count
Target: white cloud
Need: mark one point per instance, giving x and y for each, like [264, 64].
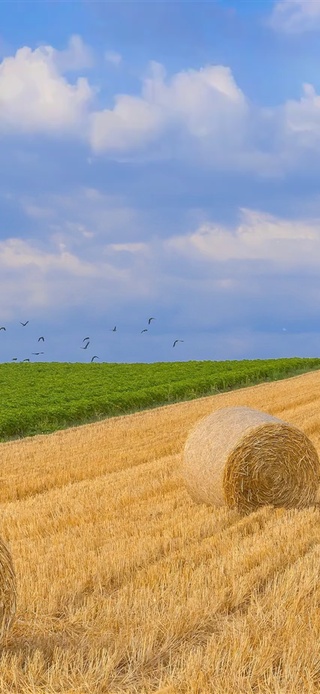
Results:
[197, 98]
[296, 16]
[132, 123]
[87, 214]
[35, 278]
[85, 251]
[204, 103]
[302, 118]
[77, 56]
[259, 236]
[108, 216]
[16, 253]
[199, 116]
[113, 57]
[35, 97]
[100, 228]
[203, 116]
[185, 275]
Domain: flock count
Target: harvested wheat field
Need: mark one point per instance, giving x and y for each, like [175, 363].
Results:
[127, 585]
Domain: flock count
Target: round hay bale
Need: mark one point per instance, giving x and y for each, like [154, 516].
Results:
[245, 459]
[8, 590]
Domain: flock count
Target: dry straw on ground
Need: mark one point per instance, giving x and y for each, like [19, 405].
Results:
[8, 590]
[246, 458]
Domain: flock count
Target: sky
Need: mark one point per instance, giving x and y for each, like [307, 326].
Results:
[159, 159]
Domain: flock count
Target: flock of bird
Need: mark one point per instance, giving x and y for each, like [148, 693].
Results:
[85, 339]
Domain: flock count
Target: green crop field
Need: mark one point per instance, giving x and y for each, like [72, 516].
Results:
[40, 398]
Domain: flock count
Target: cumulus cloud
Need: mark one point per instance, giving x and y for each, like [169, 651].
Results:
[204, 103]
[34, 97]
[203, 116]
[259, 236]
[51, 276]
[76, 226]
[87, 212]
[296, 16]
[302, 118]
[83, 251]
[33, 277]
[216, 280]
[77, 56]
[200, 116]
[16, 253]
[131, 124]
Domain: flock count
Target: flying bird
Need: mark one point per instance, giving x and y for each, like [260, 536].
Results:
[25, 359]
[95, 357]
[40, 338]
[175, 342]
[150, 319]
[85, 347]
[24, 324]
[14, 358]
[114, 329]
[3, 328]
[144, 331]
[37, 353]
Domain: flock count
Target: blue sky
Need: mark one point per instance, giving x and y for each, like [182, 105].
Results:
[160, 159]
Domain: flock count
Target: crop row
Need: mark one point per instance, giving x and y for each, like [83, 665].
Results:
[39, 398]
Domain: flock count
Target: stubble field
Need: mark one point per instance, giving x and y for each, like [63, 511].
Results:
[126, 585]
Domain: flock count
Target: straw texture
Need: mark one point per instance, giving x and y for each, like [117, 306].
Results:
[246, 458]
[8, 590]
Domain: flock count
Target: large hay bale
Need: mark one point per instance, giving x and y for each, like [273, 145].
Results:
[8, 590]
[245, 459]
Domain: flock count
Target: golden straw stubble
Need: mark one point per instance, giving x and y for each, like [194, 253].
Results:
[8, 590]
[245, 458]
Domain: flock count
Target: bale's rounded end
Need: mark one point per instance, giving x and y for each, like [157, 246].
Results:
[8, 590]
[276, 464]
[246, 459]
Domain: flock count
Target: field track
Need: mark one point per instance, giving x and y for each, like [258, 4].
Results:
[125, 585]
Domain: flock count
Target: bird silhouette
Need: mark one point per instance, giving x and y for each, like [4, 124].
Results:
[95, 357]
[3, 328]
[37, 353]
[24, 324]
[40, 338]
[175, 342]
[144, 331]
[150, 319]
[14, 358]
[85, 338]
[114, 329]
[25, 359]
[85, 347]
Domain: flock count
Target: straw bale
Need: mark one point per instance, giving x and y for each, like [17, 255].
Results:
[8, 590]
[245, 458]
